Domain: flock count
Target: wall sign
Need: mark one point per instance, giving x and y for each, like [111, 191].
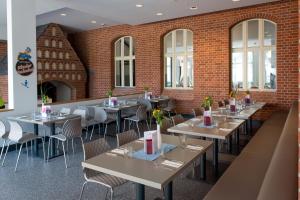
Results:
[25, 84]
[24, 65]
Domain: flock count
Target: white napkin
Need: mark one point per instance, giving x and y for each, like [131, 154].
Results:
[233, 123]
[225, 129]
[60, 117]
[120, 151]
[170, 163]
[195, 119]
[193, 147]
[182, 125]
[111, 154]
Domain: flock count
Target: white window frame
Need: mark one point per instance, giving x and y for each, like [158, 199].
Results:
[174, 55]
[124, 58]
[261, 48]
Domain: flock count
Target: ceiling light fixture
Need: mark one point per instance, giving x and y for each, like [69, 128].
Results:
[193, 8]
[94, 22]
[235, 0]
[159, 14]
[139, 5]
[63, 14]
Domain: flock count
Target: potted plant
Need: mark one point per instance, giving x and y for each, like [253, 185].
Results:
[207, 104]
[45, 110]
[2, 103]
[159, 116]
[109, 94]
[232, 101]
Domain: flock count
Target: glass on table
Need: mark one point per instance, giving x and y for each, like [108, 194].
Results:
[182, 141]
[128, 151]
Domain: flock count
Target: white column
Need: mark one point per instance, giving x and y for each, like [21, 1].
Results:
[21, 33]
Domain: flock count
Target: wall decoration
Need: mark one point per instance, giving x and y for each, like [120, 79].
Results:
[25, 84]
[24, 66]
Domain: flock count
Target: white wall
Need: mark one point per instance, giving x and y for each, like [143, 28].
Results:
[3, 32]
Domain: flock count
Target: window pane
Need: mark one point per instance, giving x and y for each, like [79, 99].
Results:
[179, 41]
[189, 41]
[133, 72]
[189, 78]
[270, 69]
[237, 69]
[168, 43]
[253, 69]
[237, 36]
[179, 71]
[168, 72]
[118, 73]
[126, 46]
[253, 33]
[118, 48]
[126, 73]
[270, 33]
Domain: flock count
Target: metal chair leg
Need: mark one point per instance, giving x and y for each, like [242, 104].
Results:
[2, 149]
[137, 125]
[43, 141]
[82, 188]
[124, 127]
[105, 132]
[148, 125]
[5, 153]
[111, 194]
[64, 154]
[18, 157]
[49, 145]
[27, 149]
[73, 146]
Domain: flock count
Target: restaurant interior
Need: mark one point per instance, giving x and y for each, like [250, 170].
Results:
[140, 99]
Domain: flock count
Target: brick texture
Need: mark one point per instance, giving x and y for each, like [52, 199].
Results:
[299, 96]
[211, 55]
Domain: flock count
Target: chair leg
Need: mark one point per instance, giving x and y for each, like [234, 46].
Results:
[73, 146]
[124, 127]
[49, 145]
[92, 132]
[27, 149]
[148, 125]
[2, 149]
[64, 154]
[137, 125]
[111, 194]
[43, 141]
[106, 194]
[5, 153]
[105, 132]
[18, 157]
[82, 188]
[99, 130]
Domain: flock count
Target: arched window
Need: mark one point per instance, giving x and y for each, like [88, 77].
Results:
[253, 55]
[125, 62]
[178, 59]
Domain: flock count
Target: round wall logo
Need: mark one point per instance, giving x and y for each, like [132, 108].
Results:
[24, 66]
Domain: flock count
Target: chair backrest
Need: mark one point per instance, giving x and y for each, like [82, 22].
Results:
[165, 124]
[177, 119]
[146, 103]
[141, 112]
[172, 103]
[94, 148]
[72, 128]
[65, 110]
[197, 112]
[126, 137]
[16, 131]
[82, 113]
[220, 104]
[226, 102]
[2, 128]
[100, 115]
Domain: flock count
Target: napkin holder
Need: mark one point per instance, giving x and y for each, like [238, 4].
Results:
[151, 135]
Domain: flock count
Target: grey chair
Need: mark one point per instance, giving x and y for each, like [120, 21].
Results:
[171, 108]
[197, 112]
[16, 135]
[141, 115]
[70, 130]
[86, 122]
[3, 136]
[92, 149]
[58, 125]
[177, 119]
[126, 137]
[101, 117]
[166, 123]
[149, 109]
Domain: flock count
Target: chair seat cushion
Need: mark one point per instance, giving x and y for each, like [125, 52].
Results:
[60, 137]
[106, 179]
[28, 137]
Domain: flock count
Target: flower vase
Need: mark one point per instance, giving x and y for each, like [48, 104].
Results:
[44, 111]
[109, 101]
[158, 137]
[232, 104]
[146, 94]
[247, 99]
[207, 118]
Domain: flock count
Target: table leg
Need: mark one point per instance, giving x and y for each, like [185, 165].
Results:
[251, 125]
[140, 191]
[203, 166]
[230, 144]
[237, 138]
[53, 146]
[215, 157]
[168, 192]
[119, 120]
[36, 145]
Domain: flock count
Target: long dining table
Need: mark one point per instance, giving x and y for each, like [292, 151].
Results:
[156, 173]
[221, 129]
[50, 121]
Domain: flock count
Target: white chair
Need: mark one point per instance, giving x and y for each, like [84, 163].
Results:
[16, 135]
[101, 117]
[70, 130]
[58, 125]
[85, 123]
[177, 119]
[149, 109]
[3, 136]
[197, 112]
[171, 107]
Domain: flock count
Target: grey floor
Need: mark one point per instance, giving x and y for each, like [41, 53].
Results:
[39, 180]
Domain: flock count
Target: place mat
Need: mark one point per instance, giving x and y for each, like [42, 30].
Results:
[140, 154]
[201, 125]
[172, 163]
[193, 147]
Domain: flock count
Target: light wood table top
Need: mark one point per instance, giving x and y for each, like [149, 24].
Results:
[118, 107]
[221, 130]
[149, 173]
[29, 118]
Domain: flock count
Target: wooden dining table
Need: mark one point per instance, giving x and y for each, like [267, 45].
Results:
[222, 128]
[36, 120]
[150, 173]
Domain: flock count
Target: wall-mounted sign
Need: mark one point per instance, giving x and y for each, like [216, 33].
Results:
[24, 66]
[25, 84]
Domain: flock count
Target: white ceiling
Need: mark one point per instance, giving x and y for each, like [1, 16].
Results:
[80, 13]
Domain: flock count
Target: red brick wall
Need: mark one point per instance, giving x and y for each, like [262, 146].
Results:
[3, 78]
[3, 48]
[211, 54]
[299, 97]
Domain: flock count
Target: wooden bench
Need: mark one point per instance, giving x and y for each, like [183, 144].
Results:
[260, 169]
